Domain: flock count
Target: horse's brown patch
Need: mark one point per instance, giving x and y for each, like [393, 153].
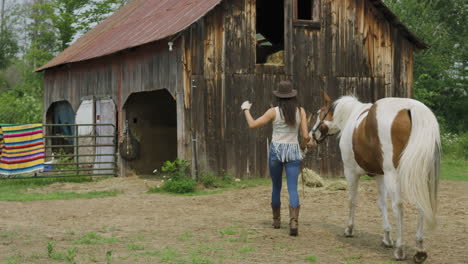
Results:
[366, 144]
[401, 129]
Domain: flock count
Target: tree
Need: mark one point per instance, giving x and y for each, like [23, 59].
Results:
[8, 42]
[31, 33]
[440, 73]
[98, 10]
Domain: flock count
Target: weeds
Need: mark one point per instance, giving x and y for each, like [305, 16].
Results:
[71, 254]
[185, 236]
[50, 248]
[95, 239]
[208, 179]
[312, 259]
[247, 249]
[108, 256]
[168, 254]
[176, 179]
[201, 260]
[228, 231]
[352, 260]
[135, 247]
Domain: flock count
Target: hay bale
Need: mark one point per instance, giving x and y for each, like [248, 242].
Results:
[276, 58]
[311, 178]
[336, 186]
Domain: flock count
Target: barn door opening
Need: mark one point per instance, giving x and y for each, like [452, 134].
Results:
[270, 32]
[152, 120]
[61, 114]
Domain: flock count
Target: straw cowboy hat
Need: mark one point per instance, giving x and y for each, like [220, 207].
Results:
[285, 90]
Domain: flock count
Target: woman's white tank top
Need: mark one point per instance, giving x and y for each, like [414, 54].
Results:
[285, 138]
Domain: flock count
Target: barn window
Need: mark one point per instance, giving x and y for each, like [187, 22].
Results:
[270, 32]
[307, 13]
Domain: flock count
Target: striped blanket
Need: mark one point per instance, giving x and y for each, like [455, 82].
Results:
[21, 149]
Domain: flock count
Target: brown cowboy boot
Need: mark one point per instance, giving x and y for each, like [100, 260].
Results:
[276, 217]
[294, 221]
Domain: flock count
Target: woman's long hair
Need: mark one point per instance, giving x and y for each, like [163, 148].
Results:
[288, 107]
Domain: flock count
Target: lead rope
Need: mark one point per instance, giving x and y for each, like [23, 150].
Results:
[305, 155]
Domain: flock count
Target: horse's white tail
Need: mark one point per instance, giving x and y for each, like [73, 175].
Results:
[420, 163]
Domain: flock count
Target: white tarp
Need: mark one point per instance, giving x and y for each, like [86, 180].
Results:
[105, 114]
[85, 115]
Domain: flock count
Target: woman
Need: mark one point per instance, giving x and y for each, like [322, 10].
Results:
[285, 151]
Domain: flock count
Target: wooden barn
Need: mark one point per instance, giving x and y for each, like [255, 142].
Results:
[177, 72]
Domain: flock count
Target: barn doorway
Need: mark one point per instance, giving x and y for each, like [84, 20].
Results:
[61, 113]
[152, 120]
[270, 32]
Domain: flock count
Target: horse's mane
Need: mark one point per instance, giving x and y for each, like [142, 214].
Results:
[346, 107]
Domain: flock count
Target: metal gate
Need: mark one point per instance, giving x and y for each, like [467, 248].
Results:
[86, 150]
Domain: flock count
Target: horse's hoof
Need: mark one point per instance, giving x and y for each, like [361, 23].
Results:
[399, 254]
[387, 244]
[348, 231]
[420, 257]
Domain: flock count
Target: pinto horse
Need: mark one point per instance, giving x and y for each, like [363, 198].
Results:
[395, 140]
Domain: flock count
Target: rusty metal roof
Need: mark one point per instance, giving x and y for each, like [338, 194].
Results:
[137, 23]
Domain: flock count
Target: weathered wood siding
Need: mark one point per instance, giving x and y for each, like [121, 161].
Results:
[212, 70]
[356, 51]
[146, 68]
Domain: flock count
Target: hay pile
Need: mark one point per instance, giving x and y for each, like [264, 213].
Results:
[311, 178]
[336, 186]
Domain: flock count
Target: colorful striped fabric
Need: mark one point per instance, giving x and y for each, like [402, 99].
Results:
[21, 149]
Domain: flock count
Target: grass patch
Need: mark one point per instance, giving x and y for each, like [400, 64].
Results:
[223, 186]
[312, 259]
[22, 197]
[352, 260]
[135, 247]
[454, 169]
[454, 156]
[8, 234]
[185, 236]
[176, 179]
[150, 253]
[17, 189]
[247, 249]
[168, 254]
[201, 260]
[94, 239]
[206, 249]
[228, 231]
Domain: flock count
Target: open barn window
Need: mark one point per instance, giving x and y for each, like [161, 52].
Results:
[270, 32]
[307, 13]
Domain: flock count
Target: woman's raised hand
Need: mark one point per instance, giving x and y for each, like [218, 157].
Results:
[246, 105]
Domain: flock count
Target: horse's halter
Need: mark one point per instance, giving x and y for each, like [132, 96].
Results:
[330, 108]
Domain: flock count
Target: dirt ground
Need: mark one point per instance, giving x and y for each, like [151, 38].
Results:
[228, 227]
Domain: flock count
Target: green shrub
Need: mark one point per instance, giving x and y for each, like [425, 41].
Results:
[208, 179]
[179, 186]
[455, 145]
[176, 178]
[177, 169]
[227, 178]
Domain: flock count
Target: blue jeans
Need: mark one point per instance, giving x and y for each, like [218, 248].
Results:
[292, 173]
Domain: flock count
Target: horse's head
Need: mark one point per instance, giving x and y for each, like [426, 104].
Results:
[324, 126]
